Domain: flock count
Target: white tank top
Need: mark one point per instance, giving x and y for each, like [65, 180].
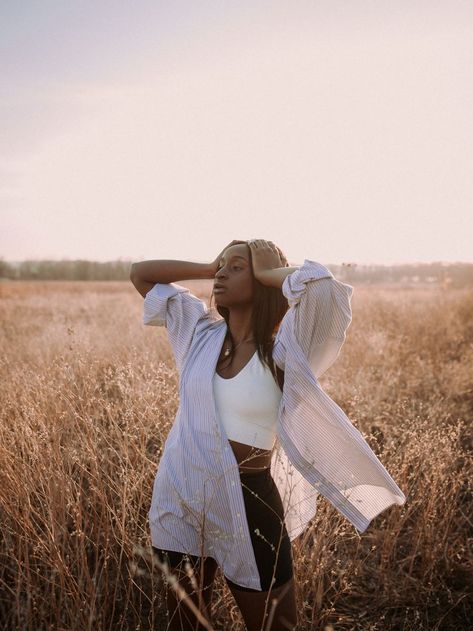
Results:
[248, 404]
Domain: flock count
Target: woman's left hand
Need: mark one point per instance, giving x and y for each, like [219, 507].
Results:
[265, 256]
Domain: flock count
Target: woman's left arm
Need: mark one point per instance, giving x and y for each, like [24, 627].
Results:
[321, 307]
[320, 304]
[275, 277]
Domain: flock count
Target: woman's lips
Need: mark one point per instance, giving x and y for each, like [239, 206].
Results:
[217, 290]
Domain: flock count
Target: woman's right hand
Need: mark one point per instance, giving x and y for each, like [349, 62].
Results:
[214, 264]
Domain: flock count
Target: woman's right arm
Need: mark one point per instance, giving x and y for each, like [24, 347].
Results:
[145, 274]
[170, 271]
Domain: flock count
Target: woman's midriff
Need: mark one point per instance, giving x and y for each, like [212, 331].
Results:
[250, 458]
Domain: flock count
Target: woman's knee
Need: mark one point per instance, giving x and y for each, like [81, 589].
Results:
[272, 610]
[189, 582]
[186, 608]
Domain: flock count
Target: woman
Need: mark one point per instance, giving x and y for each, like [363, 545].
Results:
[255, 437]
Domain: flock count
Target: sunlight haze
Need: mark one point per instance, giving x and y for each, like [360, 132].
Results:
[339, 130]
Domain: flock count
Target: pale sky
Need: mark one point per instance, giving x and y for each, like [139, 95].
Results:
[339, 130]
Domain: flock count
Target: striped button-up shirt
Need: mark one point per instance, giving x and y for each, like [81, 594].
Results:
[197, 505]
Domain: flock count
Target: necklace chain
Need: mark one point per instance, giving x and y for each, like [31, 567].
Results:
[227, 350]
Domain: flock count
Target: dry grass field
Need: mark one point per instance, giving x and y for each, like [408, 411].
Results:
[88, 395]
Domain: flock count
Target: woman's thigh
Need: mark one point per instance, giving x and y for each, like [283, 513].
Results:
[276, 602]
[269, 537]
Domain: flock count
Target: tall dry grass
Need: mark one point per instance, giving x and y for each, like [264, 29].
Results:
[88, 396]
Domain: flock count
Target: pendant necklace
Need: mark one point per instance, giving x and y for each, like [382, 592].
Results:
[227, 350]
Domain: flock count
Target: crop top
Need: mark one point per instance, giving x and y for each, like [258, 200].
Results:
[248, 404]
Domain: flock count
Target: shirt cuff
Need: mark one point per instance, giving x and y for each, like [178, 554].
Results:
[155, 303]
[294, 285]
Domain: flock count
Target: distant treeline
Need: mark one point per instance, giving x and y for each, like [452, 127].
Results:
[434, 274]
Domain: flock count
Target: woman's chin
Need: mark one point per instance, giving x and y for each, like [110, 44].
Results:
[219, 297]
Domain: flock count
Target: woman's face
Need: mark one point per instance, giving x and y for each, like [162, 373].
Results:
[236, 275]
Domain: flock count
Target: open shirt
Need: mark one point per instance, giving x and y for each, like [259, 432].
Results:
[197, 505]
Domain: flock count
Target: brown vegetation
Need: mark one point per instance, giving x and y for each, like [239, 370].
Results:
[88, 396]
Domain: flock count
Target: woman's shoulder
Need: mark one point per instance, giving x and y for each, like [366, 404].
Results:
[212, 322]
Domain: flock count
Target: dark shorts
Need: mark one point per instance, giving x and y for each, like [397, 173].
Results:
[271, 544]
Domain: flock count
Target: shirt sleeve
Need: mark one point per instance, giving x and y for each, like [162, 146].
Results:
[174, 307]
[322, 313]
